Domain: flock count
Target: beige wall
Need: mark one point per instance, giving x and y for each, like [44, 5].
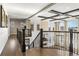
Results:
[14, 24]
[44, 25]
[28, 24]
[0, 15]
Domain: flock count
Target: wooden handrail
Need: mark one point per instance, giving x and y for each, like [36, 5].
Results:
[61, 31]
[57, 31]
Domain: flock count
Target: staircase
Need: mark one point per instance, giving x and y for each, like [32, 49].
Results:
[41, 41]
[44, 42]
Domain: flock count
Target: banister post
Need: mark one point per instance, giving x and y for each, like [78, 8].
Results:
[71, 43]
[23, 41]
[41, 38]
[17, 33]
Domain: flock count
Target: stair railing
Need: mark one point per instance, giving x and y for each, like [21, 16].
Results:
[68, 44]
[36, 42]
[21, 38]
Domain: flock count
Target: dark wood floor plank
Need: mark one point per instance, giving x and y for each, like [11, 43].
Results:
[47, 52]
[12, 47]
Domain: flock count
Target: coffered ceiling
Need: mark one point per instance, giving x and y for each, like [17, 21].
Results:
[25, 10]
[64, 10]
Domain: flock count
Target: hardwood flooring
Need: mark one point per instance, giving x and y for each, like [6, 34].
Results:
[12, 48]
[47, 52]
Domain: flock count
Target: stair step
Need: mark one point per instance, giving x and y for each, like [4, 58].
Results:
[45, 46]
[44, 43]
[44, 39]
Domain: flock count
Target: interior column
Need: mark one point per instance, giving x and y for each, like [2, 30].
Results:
[65, 28]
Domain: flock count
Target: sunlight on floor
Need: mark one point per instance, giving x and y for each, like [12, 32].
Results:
[12, 44]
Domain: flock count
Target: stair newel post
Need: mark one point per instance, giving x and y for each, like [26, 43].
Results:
[33, 44]
[17, 33]
[23, 41]
[41, 38]
[71, 43]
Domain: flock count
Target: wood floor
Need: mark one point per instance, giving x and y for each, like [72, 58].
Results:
[48, 52]
[12, 48]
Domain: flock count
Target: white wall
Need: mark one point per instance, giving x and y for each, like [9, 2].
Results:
[9, 27]
[4, 33]
[3, 38]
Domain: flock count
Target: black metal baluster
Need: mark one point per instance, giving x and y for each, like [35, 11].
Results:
[33, 44]
[68, 40]
[17, 33]
[54, 40]
[74, 42]
[61, 41]
[77, 43]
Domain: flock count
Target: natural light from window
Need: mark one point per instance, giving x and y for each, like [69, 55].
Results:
[72, 23]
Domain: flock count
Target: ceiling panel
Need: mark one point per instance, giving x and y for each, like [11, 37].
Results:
[23, 10]
[60, 7]
[64, 7]
[74, 13]
[61, 16]
[46, 13]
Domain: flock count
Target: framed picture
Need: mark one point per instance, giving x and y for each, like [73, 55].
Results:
[0, 16]
[4, 19]
[62, 28]
[28, 33]
[32, 27]
[38, 27]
